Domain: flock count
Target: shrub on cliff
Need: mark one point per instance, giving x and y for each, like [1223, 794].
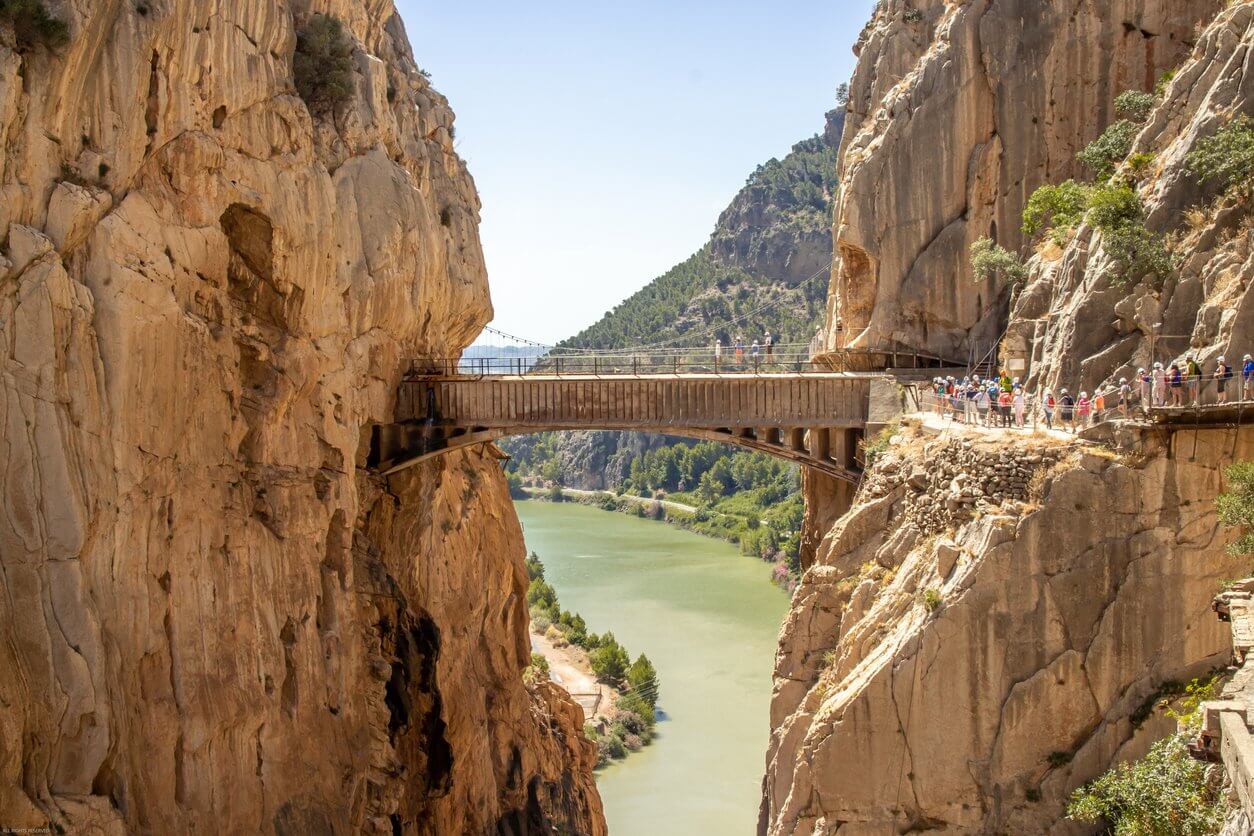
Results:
[1116, 211]
[1134, 105]
[32, 24]
[1103, 154]
[1165, 793]
[1227, 157]
[990, 260]
[323, 64]
[1056, 208]
[1236, 506]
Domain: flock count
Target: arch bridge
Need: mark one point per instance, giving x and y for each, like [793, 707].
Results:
[805, 414]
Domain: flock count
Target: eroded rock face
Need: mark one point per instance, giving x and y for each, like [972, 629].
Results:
[957, 112]
[213, 619]
[964, 669]
[1082, 321]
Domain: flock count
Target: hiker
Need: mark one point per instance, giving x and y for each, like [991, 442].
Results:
[1050, 405]
[718, 351]
[1176, 382]
[1020, 404]
[981, 404]
[938, 395]
[1222, 375]
[1066, 410]
[740, 349]
[1083, 408]
[753, 352]
[1003, 406]
[1004, 381]
[1160, 385]
[770, 345]
[968, 402]
[1247, 377]
[1192, 379]
[1146, 383]
[1125, 397]
[1099, 406]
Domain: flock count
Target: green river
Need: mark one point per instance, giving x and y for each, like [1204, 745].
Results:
[707, 617]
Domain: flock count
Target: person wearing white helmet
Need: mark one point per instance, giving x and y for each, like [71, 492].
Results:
[1223, 373]
[1192, 379]
[1125, 396]
[1146, 384]
[1160, 385]
[1247, 377]
[1066, 409]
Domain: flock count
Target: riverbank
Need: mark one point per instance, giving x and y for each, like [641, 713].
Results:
[773, 543]
[569, 667]
[709, 624]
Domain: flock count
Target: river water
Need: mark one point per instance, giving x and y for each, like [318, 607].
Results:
[708, 618]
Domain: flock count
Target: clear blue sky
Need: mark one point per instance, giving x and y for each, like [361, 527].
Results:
[606, 138]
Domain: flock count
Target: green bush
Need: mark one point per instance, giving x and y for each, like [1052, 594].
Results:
[1116, 211]
[33, 25]
[1114, 206]
[1164, 793]
[537, 671]
[931, 599]
[609, 660]
[642, 679]
[1057, 208]
[1103, 154]
[1236, 506]
[555, 493]
[1134, 105]
[990, 260]
[1227, 157]
[323, 64]
[515, 486]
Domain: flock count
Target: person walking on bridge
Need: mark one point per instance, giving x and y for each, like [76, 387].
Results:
[1176, 382]
[1099, 406]
[1125, 397]
[1050, 405]
[1160, 385]
[1146, 384]
[740, 349]
[718, 352]
[1247, 377]
[1192, 379]
[769, 342]
[1222, 375]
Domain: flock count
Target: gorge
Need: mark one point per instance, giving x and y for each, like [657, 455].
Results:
[230, 233]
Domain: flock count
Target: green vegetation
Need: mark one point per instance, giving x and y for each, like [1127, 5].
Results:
[1057, 208]
[990, 260]
[1227, 158]
[1166, 793]
[637, 682]
[931, 599]
[1236, 506]
[1104, 154]
[1134, 105]
[33, 25]
[323, 64]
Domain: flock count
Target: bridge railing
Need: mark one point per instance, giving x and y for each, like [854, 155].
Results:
[778, 359]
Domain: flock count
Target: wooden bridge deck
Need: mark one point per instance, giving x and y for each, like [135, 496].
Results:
[815, 419]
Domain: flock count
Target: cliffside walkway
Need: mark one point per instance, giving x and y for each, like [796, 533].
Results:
[783, 405]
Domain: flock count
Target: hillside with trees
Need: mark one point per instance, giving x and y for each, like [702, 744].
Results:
[764, 268]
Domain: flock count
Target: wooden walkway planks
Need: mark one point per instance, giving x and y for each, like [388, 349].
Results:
[646, 402]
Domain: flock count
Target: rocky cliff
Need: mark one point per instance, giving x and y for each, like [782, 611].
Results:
[213, 619]
[957, 112]
[980, 634]
[967, 649]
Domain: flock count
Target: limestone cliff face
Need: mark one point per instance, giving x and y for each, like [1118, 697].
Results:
[1080, 324]
[977, 635]
[957, 112]
[213, 619]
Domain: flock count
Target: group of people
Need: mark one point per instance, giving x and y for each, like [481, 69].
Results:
[767, 344]
[1002, 402]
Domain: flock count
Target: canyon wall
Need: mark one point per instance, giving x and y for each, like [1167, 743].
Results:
[964, 651]
[213, 618]
[957, 112]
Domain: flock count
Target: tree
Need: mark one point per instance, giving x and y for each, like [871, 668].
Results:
[642, 679]
[1134, 105]
[1236, 505]
[1227, 157]
[323, 64]
[1057, 208]
[609, 661]
[842, 94]
[990, 260]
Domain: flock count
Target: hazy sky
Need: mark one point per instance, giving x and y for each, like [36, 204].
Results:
[606, 138]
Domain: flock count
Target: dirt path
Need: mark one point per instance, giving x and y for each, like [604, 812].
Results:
[638, 500]
[568, 667]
